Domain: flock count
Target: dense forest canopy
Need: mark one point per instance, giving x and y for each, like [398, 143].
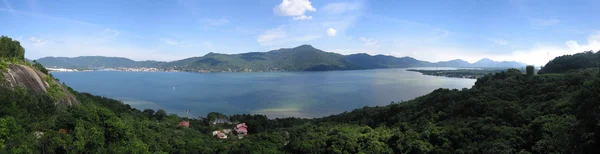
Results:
[10, 48]
[565, 63]
[506, 112]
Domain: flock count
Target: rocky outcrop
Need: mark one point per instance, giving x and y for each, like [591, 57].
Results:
[24, 76]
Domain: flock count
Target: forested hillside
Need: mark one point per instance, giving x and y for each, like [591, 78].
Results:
[565, 63]
[506, 112]
[301, 58]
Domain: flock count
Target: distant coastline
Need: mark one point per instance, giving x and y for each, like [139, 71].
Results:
[458, 73]
[111, 69]
[298, 59]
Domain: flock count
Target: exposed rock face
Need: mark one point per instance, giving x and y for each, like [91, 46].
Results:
[31, 79]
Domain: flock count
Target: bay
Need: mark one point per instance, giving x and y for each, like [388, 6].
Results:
[275, 94]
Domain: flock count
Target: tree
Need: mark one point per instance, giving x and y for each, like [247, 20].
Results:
[513, 71]
[530, 70]
[11, 48]
[149, 113]
[40, 67]
[160, 114]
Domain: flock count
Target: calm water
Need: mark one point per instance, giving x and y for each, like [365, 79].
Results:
[279, 94]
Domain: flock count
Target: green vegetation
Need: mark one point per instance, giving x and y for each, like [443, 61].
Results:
[301, 58]
[40, 67]
[11, 52]
[10, 48]
[54, 90]
[3, 65]
[5, 61]
[562, 64]
[505, 112]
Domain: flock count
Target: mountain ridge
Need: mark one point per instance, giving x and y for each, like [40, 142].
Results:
[301, 58]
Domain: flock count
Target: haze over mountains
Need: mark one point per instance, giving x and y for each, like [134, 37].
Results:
[301, 58]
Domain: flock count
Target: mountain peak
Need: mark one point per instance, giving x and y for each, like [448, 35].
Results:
[484, 60]
[407, 57]
[457, 60]
[305, 46]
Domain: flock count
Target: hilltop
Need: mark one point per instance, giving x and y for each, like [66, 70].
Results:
[301, 58]
[564, 63]
[17, 73]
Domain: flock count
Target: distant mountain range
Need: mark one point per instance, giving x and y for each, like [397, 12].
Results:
[301, 58]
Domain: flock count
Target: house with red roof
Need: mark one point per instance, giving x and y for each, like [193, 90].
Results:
[184, 123]
[219, 134]
[241, 129]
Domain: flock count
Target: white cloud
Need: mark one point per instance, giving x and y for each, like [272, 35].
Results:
[302, 17]
[537, 55]
[369, 42]
[541, 54]
[592, 44]
[331, 32]
[294, 8]
[341, 15]
[37, 41]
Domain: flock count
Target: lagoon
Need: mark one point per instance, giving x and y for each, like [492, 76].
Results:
[275, 94]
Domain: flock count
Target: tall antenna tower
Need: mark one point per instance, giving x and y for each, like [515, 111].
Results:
[187, 112]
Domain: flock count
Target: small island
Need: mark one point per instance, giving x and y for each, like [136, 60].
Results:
[459, 73]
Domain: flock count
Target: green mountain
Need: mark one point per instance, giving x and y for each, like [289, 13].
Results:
[564, 63]
[488, 63]
[301, 58]
[453, 63]
[366, 61]
[506, 112]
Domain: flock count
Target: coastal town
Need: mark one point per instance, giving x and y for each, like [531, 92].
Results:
[122, 69]
[459, 73]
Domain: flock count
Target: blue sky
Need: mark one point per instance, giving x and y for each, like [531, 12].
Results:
[530, 31]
